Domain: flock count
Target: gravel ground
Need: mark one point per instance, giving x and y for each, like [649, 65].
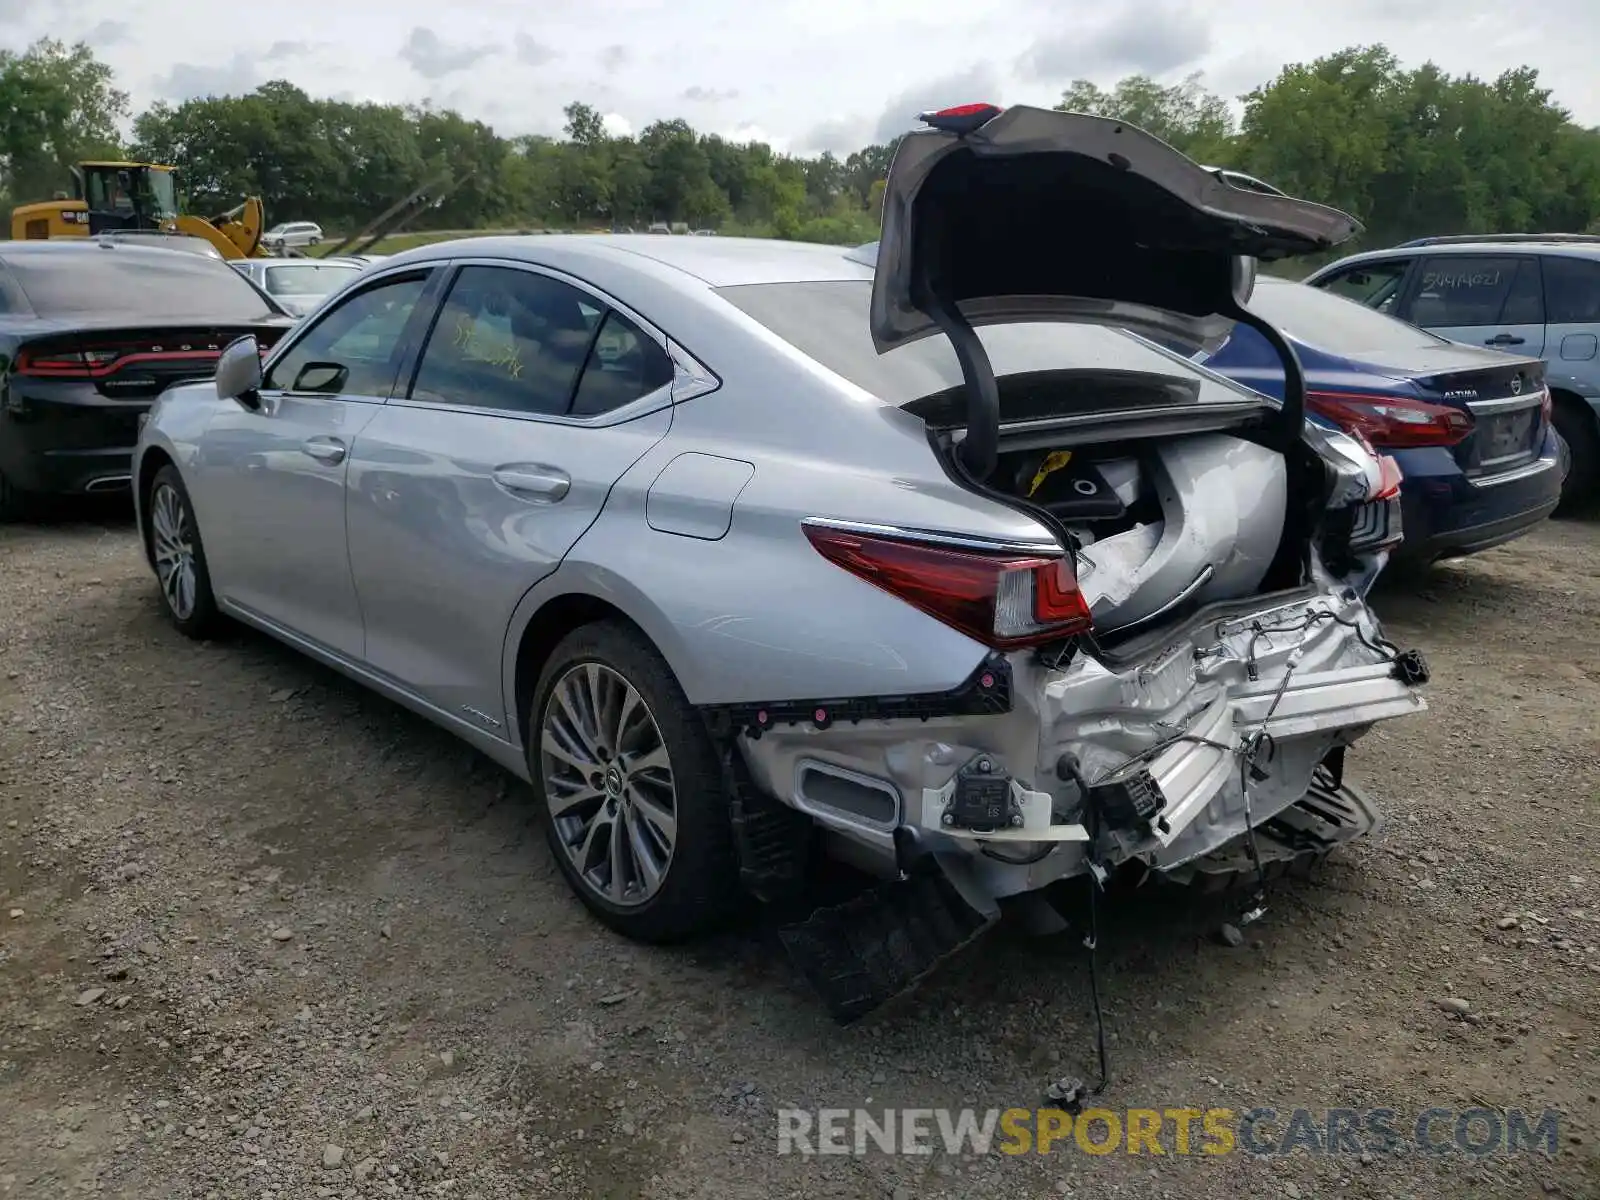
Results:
[265, 935]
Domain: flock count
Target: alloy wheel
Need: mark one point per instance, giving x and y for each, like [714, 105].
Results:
[609, 784]
[172, 533]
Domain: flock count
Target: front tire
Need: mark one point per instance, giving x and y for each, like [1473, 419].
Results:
[180, 557]
[629, 788]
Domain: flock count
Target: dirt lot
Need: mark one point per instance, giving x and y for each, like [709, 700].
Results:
[264, 935]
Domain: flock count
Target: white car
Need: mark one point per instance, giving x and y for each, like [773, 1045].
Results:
[299, 285]
[292, 234]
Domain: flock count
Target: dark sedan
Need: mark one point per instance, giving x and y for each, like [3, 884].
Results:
[90, 334]
[1469, 428]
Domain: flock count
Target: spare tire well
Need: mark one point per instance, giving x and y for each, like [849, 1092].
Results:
[152, 462]
[548, 626]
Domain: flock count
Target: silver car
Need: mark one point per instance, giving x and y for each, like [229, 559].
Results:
[299, 285]
[741, 551]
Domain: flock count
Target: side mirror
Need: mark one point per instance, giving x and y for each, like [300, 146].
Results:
[239, 372]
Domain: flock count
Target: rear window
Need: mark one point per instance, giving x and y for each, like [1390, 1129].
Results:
[308, 279]
[827, 321]
[136, 284]
[1332, 323]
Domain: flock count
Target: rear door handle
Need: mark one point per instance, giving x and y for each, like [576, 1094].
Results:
[1504, 339]
[534, 481]
[329, 451]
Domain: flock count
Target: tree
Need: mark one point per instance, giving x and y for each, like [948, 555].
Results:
[58, 104]
[1183, 115]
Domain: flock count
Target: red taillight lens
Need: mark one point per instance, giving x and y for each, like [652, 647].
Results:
[63, 364]
[1392, 422]
[1003, 600]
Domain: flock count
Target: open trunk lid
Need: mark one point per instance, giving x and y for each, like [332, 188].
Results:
[1036, 214]
[1029, 214]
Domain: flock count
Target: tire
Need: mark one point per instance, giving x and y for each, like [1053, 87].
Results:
[13, 503]
[1576, 424]
[609, 668]
[176, 549]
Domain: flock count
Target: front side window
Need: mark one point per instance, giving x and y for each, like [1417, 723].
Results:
[1458, 290]
[354, 348]
[508, 339]
[1376, 284]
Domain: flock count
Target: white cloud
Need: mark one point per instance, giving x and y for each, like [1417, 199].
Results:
[810, 74]
[617, 125]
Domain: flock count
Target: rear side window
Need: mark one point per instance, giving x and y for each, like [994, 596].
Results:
[1462, 290]
[1375, 285]
[1571, 290]
[135, 283]
[624, 365]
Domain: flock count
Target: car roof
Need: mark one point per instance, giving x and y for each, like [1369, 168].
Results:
[1488, 246]
[716, 262]
[67, 248]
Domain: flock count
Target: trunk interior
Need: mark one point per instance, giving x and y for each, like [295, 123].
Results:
[1168, 501]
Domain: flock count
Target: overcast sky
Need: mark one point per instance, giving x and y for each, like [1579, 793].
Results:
[805, 75]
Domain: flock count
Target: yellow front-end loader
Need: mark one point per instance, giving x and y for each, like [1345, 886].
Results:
[114, 196]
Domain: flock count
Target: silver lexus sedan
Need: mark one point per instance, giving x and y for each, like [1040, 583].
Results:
[742, 552]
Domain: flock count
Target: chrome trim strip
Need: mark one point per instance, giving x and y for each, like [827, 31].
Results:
[1534, 468]
[959, 541]
[1505, 404]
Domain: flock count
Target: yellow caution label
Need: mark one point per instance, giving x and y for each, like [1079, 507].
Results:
[1052, 463]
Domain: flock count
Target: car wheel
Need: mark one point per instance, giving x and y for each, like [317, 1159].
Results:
[180, 557]
[629, 788]
[12, 502]
[1582, 485]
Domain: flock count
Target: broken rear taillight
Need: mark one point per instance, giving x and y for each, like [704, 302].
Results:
[1004, 600]
[1392, 422]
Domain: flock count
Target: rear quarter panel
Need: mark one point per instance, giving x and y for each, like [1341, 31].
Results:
[756, 613]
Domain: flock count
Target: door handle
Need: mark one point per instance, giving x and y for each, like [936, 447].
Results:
[1504, 339]
[534, 481]
[329, 451]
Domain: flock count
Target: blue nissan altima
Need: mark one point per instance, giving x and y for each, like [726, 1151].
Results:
[1470, 428]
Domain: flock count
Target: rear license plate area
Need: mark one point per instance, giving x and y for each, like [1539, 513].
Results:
[1506, 436]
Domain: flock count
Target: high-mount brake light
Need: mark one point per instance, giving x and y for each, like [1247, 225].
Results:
[1392, 422]
[962, 118]
[1003, 599]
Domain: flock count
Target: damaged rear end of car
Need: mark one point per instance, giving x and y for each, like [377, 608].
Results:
[1180, 657]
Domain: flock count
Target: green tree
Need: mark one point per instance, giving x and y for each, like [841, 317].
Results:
[58, 105]
[1184, 115]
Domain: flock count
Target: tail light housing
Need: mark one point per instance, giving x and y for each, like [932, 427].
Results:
[1392, 422]
[1388, 478]
[98, 361]
[1003, 599]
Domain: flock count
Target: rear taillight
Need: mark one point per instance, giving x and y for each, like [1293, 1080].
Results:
[1004, 600]
[97, 362]
[1392, 422]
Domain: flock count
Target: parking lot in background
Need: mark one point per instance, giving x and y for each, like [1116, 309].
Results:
[266, 933]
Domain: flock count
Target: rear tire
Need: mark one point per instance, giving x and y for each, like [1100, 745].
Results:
[13, 504]
[1577, 427]
[179, 557]
[629, 788]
